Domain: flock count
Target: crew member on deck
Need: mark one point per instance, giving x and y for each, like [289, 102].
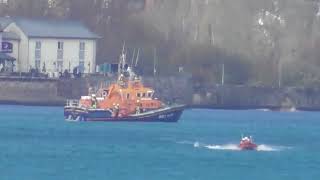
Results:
[121, 80]
[116, 109]
[139, 107]
[138, 110]
[94, 101]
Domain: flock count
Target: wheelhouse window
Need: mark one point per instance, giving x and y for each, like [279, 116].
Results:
[149, 94]
[138, 94]
[128, 96]
[37, 55]
[144, 95]
[105, 93]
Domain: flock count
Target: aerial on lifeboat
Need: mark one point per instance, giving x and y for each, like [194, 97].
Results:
[125, 100]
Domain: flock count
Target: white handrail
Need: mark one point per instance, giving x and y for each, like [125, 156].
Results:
[72, 103]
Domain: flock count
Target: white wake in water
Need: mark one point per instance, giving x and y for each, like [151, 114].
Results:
[264, 147]
[235, 147]
[231, 147]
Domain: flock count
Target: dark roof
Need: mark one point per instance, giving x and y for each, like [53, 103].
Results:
[4, 56]
[10, 36]
[4, 22]
[46, 28]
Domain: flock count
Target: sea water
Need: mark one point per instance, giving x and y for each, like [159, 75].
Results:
[36, 143]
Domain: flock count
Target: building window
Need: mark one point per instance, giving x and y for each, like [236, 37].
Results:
[82, 50]
[60, 45]
[38, 45]
[60, 57]
[37, 55]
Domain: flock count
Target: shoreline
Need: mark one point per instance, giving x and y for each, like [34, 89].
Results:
[48, 92]
[43, 104]
[269, 108]
[212, 107]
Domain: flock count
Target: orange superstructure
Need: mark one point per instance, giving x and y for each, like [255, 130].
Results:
[127, 94]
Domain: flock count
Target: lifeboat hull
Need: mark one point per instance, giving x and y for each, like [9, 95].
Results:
[248, 146]
[169, 114]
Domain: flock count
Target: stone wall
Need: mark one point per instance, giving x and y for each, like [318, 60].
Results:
[179, 89]
[29, 91]
[37, 91]
[244, 97]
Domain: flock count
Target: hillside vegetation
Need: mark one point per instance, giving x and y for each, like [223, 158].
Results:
[260, 42]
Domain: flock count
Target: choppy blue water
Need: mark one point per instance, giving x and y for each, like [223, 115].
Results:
[36, 143]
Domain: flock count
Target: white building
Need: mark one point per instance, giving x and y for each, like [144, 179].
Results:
[49, 45]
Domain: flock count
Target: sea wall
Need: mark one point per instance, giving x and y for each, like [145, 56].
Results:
[178, 89]
[42, 91]
[29, 91]
[252, 97]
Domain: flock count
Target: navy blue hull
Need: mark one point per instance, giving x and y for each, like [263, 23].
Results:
[171, 114]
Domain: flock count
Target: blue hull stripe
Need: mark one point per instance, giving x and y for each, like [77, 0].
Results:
[167, 115]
